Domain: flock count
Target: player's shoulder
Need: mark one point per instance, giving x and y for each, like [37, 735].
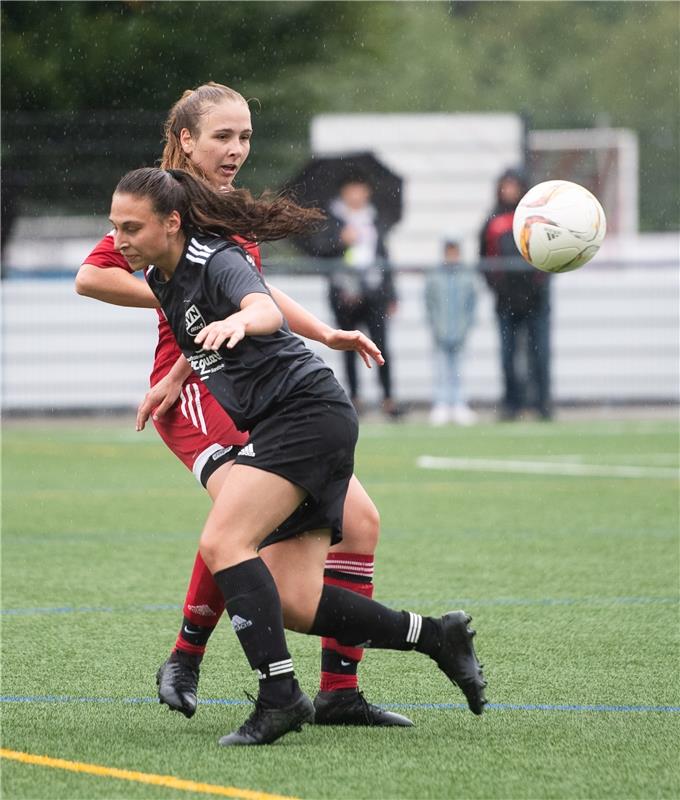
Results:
[201, 247]
[216, 253]
[251, 248]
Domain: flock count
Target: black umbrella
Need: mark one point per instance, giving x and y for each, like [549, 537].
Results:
[320, 179]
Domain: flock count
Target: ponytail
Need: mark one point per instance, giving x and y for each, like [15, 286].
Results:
[267, 218]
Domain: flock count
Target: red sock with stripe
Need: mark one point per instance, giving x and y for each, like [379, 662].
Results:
[203, 607]
[339, 663]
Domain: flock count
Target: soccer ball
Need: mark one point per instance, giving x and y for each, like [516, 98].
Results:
[558, 226]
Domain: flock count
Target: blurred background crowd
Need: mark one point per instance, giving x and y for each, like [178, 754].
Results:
[413, 125]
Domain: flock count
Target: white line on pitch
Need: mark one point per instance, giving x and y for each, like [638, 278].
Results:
[544, 468]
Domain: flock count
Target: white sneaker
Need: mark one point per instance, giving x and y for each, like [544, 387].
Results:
[439, 415]
[462, 415]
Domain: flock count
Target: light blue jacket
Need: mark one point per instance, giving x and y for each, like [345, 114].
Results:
[450, 300]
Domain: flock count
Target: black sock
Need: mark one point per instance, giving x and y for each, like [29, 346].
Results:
[253, 604]
[355, 620]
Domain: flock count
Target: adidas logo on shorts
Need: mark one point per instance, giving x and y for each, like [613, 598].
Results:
[248, 450]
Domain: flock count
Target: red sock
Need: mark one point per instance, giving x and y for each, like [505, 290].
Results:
[203, 607]
[339, 663]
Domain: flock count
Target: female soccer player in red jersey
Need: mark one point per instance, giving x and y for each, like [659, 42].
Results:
[208, 133]
[268, 558]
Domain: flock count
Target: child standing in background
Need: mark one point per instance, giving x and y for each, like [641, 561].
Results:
[450, 299]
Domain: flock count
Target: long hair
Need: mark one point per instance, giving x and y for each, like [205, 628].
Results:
[187, 113]
[266, 218]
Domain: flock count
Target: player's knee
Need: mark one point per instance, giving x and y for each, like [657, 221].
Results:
[220, 551]
[363, 531]
[209, 549]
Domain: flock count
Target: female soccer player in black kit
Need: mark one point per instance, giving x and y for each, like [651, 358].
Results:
[287, 485]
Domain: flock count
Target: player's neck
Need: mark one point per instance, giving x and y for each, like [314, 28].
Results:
[167, 264]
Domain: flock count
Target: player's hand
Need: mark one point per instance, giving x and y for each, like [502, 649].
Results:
[355, 340]
[214, 335]
[160, 397]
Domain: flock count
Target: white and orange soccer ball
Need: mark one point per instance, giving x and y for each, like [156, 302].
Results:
[558, 226]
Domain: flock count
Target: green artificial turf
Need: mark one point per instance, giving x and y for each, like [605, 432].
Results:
[572, 583]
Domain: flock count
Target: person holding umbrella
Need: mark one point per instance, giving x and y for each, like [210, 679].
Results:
[365, 202]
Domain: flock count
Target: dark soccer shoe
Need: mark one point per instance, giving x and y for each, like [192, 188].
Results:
[266, 724]
[349, 707]
[458, 661]
[177, 681]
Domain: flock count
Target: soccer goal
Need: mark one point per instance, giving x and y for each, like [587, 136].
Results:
[604, 160]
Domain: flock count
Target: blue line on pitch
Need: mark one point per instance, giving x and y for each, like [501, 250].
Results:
[540, 707]
[18, 612]
[412, 601]
[416, 706]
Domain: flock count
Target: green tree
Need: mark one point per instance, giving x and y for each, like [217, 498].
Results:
[566, 64]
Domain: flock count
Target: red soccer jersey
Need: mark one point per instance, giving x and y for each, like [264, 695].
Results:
[104, 255]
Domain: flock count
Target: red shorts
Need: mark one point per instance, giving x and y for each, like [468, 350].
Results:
[199, 431]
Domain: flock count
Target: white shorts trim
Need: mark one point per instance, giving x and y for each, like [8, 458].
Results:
[191, 406]
[202, 459]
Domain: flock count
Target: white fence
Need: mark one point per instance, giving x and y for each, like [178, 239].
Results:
[449, 162]
[615, 338]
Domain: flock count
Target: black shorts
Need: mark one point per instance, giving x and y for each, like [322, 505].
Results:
[309, 441]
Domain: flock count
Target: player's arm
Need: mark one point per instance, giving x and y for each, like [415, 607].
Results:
[163, 395]
[258, 316]
[304, 323]
[114, 285]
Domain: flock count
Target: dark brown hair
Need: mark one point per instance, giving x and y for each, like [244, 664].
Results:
[266, 218]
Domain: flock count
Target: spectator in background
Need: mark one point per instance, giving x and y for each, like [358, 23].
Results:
[450, 299]
[522, 296]
[361, 287]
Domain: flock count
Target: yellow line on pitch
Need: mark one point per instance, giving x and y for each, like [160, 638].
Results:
[167, 781]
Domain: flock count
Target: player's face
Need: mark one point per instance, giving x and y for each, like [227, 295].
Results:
[140, 234]
[222, 143]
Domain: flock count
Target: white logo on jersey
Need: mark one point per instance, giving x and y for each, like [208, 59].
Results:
[247, 451]
[205, 362]
[194, 320]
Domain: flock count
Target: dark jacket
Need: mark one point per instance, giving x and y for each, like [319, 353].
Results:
[373, 284]
[517, 286]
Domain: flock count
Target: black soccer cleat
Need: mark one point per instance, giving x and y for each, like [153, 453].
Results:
[350, 707]
[177, 681]
[267, 724]
[458, 661]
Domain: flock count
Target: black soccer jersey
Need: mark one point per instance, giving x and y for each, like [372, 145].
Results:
[210, 281]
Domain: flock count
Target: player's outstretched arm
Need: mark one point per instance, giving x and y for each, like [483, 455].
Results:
[114, 285]
[304, 323]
